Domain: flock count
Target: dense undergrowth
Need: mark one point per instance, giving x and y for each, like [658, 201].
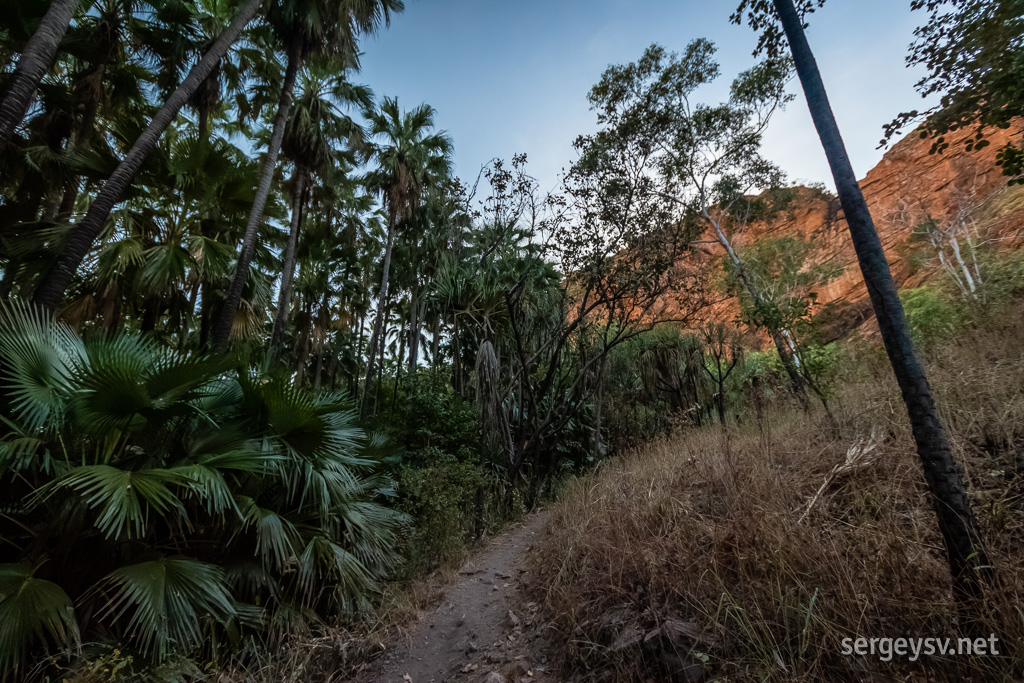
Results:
[751, 552]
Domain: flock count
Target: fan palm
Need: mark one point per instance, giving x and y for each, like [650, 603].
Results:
[36, 58]
[323, 28]
[156, 498]
[311, 137]
[408, 156]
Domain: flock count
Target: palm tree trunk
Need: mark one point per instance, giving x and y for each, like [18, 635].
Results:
[414, 334]
[435, 341]
[35, 61]
[965, 550]
[52, 288]
[378, 322]
[598, 405]
[222, 330]
[288, 273]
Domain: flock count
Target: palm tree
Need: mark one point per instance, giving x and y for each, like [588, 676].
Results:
[305, 27]
[188, 500]
[35, 60]
[102, 54]
[963, 541]
[314, 128]
[407, 157]
[51, 289]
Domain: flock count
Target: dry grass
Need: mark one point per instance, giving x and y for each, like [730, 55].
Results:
[714, 529]
[334, 653]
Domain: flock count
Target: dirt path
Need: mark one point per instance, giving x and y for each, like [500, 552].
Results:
[477, 632]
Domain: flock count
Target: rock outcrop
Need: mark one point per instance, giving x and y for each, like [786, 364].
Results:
[906, 187]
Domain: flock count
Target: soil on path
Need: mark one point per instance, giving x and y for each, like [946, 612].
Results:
[480, 631]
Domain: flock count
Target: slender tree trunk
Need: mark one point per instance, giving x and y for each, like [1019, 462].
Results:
[33, 64]
[398, 371]
[152, 308]
[383, 348]
[598, 401]
[284, 297]
[233, 297]
[435, 341]
[324, 317]
[188, 318]
[415, 323]
[318, 371]
[378, 322]
[81, 140]
[795, 379]
[52, 288]
[965, 549]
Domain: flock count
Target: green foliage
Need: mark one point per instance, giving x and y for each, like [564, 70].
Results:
[932, 317]
[435, 420]
[441, 498]
[32, 610]
[172, 502]
[973, 51]
[784, 280]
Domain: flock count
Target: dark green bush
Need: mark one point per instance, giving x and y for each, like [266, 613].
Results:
[441, 498]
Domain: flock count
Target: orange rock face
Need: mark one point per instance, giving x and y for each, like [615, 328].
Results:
[907, 186]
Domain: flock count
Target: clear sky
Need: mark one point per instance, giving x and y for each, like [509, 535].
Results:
[512, 76]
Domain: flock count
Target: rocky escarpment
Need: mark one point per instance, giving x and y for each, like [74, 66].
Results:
[909, 185]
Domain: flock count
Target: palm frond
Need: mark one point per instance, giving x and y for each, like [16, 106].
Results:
[32, 611]
[168, 600]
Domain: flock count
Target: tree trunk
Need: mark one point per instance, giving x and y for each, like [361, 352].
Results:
[318, 368]
[456, 357]
[378, 322]
[598, 400]
[52, 288]
[284, 297]
[233, 297]
[435, 341]
[796, 380]
[33, 64]
[415, 323]
[187, 319]
[961, 536]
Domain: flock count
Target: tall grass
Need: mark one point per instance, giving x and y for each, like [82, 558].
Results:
[772, 542]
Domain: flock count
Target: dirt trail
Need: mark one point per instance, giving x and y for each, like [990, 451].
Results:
[477, 632]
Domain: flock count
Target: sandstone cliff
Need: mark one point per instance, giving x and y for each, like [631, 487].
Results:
[908, 185]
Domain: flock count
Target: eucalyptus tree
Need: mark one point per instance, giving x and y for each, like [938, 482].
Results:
[706, 158]
[782, 21]
[972, 51]
[573, 277]
[35, 60]
[313, 135]
[304, 28]
[408, 156]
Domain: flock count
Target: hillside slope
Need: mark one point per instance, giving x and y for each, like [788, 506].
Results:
[907, 186]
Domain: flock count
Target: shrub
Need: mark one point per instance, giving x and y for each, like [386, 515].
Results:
[932, 317]
[166, 504]
[441, 499]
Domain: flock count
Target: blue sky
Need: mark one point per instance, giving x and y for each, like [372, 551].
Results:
[508, 77]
